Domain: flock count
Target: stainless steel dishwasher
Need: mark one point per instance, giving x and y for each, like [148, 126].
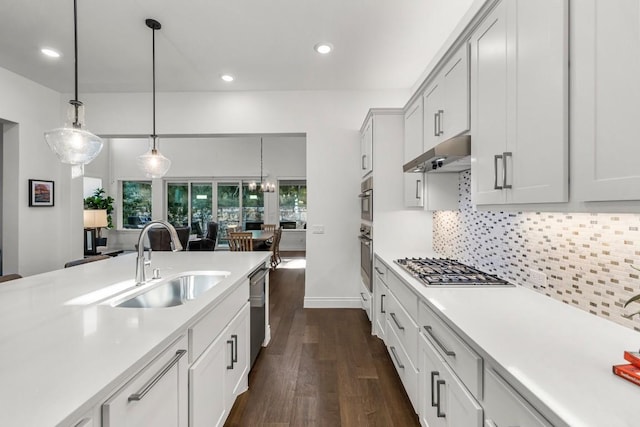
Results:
[257, 302]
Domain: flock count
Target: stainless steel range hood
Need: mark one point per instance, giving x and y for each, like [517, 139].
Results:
[452, 155]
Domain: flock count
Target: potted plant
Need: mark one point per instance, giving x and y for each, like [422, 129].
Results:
[99, 201]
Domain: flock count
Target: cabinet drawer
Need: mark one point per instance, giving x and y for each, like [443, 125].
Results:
[380, 269]
[465, 362]
[209, 327]
[365, 300]
[405, 328]
[505, 407]
[403, 294]
[155, 396]
[406, 370]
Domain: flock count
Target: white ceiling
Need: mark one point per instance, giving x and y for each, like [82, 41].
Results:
[265, 44]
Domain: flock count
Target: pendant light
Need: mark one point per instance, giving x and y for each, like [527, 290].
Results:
[265, 186]
[73, 144]
[153, 163]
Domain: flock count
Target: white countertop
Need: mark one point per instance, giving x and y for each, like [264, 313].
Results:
[562, 354]
[57, 359]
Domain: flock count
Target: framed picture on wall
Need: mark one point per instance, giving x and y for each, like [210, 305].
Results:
[41, 192]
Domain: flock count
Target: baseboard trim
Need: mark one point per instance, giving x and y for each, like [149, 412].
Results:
[321, 302]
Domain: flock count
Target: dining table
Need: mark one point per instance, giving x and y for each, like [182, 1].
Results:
[259, 236]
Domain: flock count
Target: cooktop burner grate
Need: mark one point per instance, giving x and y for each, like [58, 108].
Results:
[447, 272]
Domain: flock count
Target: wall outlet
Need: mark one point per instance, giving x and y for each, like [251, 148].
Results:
[537, 278]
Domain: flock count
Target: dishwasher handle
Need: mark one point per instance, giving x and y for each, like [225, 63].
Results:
[258, 274]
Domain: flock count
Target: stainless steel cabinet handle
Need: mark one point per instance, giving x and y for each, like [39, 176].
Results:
[235, 348]
[495, 171]
[379, 271]
[444, 349]
[440, 114]
[491, 423]
[438, 412]
[395, 320]
[382, 304]
[395, 356]
[433, 376]
[418, 182]
[435, 124]
[363, 158]
[153, 381]
[232, 362]
[504, 169]
[363, 298]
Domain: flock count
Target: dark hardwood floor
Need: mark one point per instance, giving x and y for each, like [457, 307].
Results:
[321, 368]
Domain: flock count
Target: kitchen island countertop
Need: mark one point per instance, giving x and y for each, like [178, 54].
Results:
[561, 354]
[61, 349]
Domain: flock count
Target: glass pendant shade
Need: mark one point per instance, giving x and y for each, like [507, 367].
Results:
[153, 163]
[72, 144]
[252, 186]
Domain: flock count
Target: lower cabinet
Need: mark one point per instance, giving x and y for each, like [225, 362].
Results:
[505, 407]
[156, 396]
[365, 299]
[380, 301]
[444, 400]
[220, 373]
[404, 366]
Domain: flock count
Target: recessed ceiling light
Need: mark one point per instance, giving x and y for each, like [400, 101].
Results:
[323, 48]
[50, 52]
[227, 77]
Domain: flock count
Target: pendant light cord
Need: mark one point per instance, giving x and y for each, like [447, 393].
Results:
[153, 56]
[76, 104]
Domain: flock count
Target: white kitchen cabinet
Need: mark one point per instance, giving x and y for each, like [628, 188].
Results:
[413, 147]
[365, 299]
[405, 368]
[156, 396]
[446, 101]
[220, 373]
[380, 296]
[519, 103]
[505, 407]
[605, 65]
[444, 400]
[366, 148]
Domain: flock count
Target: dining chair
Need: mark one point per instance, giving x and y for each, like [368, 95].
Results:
[268, 227]
[241, 242]
[8, 277]
[275, 248]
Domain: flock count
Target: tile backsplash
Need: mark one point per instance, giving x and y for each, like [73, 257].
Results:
[586, 257]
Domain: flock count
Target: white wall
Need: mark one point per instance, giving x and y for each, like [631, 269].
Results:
[39, 239]
[331, 121]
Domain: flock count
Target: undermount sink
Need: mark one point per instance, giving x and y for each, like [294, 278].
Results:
[175, 291]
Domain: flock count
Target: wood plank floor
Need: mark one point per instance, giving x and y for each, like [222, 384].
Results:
[321, 368]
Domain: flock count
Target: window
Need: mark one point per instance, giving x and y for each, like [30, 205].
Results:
[293, 203]
[201, 207]
[252, 208]
[136, 203]
[178, 204]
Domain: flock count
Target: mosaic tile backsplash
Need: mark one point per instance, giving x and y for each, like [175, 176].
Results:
[586, 257]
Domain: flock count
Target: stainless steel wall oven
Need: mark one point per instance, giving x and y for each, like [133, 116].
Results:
[366, 199]
[366, 255]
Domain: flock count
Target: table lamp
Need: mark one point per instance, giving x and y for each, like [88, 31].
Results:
[94, 220]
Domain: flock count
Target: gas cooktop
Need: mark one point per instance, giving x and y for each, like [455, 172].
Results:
[447, 272]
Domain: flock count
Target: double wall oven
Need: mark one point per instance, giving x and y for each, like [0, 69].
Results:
[366, 232]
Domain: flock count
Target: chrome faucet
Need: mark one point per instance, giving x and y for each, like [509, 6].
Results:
[141, 262]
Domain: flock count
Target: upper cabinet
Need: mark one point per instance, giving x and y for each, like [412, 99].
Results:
[413, 147]
[519, 103]
[366, 148]
[446, 101]
[605, 60]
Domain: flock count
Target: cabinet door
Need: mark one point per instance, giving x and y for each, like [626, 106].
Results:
[539, 147]
[366, 149]
[605, 43]
[444, 400]
[413, 131]
[380, 295]
[489, 122]
[433, 105]
[454, 118]
[208, 400]
[237, 364]
[157, 396]
[413, 190]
